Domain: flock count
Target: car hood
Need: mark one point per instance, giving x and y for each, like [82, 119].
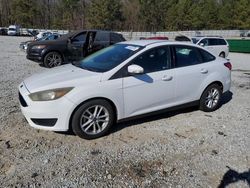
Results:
[59, 77]
[49, 42]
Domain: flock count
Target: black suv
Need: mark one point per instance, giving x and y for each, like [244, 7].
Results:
[71, 47]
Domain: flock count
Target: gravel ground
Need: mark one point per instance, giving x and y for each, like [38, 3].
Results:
[186, 148]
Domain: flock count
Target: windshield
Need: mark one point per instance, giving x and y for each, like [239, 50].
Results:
[43, 38]
[108, 58]
[12, 29]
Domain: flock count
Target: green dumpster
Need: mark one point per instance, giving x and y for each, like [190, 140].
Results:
[239, 45]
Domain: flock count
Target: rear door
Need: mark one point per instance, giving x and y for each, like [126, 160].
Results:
[102, 40]
[153, 90]
[190, 72]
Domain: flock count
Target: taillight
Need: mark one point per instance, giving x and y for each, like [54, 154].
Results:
[228, 65]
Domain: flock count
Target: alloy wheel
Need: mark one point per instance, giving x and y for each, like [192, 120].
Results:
[212, 98]
[94, 119]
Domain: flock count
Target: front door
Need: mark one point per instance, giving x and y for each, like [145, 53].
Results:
[153, 90]
[76, 46]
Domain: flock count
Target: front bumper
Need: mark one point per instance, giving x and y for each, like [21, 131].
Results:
[46, 115]
[34, 57]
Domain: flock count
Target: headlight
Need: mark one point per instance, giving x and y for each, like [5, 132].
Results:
[50, 95]
[38, 47]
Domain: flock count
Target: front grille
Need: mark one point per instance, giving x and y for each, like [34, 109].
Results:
[22, 101]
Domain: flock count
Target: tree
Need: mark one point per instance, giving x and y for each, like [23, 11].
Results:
[24, 12]
[105, 14]
[152, 14]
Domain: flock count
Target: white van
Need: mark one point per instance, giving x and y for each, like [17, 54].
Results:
[217, 45]
[13, 30]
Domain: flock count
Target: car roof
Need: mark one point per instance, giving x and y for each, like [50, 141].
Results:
[145, 43]
[212, 37]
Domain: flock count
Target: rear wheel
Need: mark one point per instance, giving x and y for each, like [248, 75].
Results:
[52, 59]
[93, 119]
[211, 98]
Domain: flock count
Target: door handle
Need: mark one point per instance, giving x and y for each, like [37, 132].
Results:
[167, 78]
[204, 71]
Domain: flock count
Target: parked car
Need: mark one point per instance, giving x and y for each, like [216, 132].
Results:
[32, 32]
[157, 38]
[14, 30]
[217, 45]
[42, 34]
[3, 31]
[122, 81]
[71, 47]
[24, 45]
[154, 38]
[182, 38]
[245, 33]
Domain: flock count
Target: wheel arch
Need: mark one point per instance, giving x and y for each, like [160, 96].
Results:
[95, 98]
[219, 83]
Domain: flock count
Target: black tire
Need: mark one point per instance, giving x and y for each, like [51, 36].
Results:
[79, 118]
[52, 59]
[210, 102]
[222, 54]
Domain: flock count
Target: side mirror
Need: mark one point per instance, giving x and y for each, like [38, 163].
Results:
[135, 69]
[202, 44]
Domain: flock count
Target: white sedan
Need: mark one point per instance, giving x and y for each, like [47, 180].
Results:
[122, 81]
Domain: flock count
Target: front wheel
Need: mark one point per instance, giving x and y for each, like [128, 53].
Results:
[93, 119]
[52, 59]
[211, 98]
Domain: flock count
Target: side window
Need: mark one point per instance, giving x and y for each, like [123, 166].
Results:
[213, 42]
[80, 38]
[206, 57]
[153, 60]
[186, 56]
[204, 41]
[114, 38]
[222, 42]
[102, 36]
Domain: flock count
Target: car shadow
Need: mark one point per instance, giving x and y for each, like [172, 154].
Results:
[232, 176]
[227, 97]
[42, 65]
[151, 117]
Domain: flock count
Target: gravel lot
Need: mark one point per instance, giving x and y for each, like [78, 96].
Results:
[186, 148]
